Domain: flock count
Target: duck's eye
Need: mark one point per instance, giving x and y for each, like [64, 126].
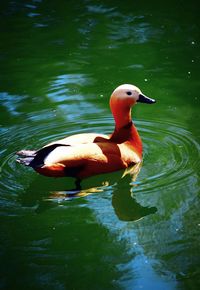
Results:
[129, 93]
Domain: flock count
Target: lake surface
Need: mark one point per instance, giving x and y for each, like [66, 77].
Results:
[59, 63]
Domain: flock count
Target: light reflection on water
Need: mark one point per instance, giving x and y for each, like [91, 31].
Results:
[56, 61]
[153, 195]
[174, 168]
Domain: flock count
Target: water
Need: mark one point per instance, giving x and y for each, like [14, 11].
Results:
[59, 62]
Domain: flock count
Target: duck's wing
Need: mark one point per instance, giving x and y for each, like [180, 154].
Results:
[83, 160]
[36, 158]
[83, 138]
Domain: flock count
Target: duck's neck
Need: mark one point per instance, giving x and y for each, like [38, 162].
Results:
[125, 130]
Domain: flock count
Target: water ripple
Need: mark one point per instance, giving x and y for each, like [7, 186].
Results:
[169, 168]
[167, 155]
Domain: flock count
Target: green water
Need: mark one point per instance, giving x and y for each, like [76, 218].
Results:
[59, 62]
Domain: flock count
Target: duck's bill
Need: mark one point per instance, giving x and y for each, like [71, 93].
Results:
[145, 99]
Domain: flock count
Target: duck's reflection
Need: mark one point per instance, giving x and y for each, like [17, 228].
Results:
[125, 205]
[127, 208]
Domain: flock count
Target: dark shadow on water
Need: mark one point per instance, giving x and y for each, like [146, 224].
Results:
[127, 208]
[121, 190]
[125, 205]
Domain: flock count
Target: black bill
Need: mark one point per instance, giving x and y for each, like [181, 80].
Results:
[145, 99]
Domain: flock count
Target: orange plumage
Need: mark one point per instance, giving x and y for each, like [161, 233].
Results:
[84, 155]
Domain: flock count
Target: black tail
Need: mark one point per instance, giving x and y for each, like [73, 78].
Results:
[36, 158]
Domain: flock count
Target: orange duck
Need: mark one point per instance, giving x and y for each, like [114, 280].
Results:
[84, 155]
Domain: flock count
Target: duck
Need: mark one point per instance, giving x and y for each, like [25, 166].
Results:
[84, 155]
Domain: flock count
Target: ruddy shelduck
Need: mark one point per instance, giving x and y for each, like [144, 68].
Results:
[84, 155]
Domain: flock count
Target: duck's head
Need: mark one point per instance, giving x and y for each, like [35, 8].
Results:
[129, 95]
